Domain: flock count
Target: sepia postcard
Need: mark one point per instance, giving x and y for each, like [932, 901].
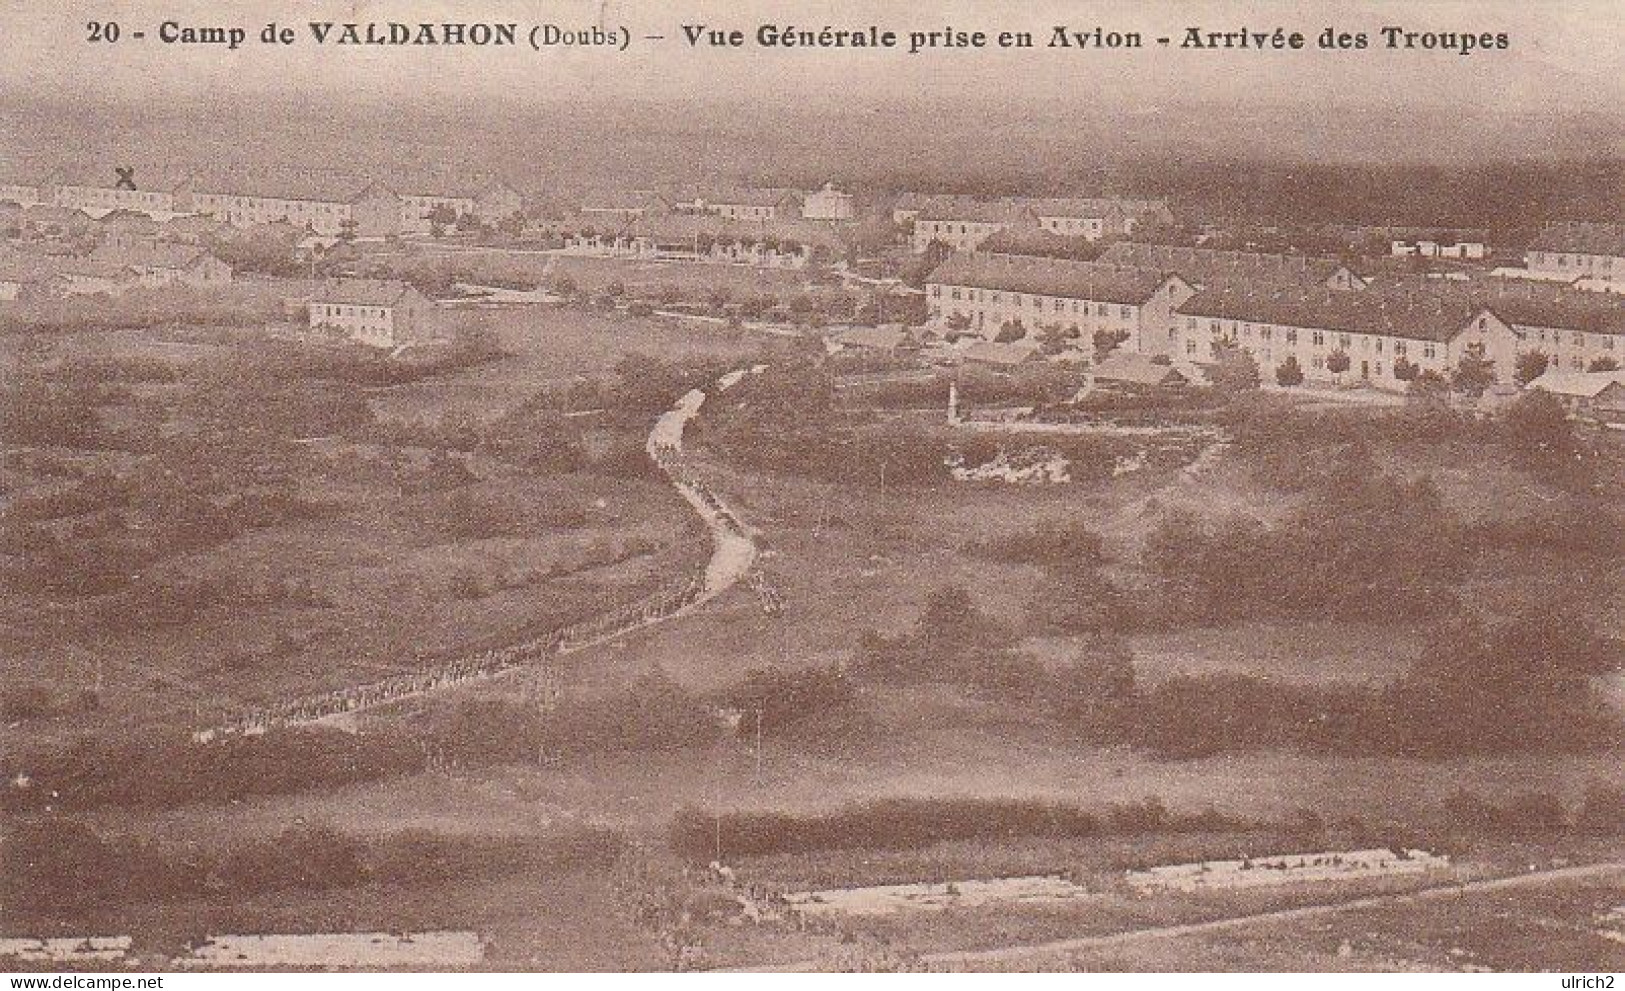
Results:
[821, 486]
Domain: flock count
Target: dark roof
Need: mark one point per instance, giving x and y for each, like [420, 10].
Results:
[311, 185]
[1003, 352]
[1416, 315]
[1035, 241]
[977, 211]
[1582, 237]
[1211, 268]
[148, 254]
[1051, 277]
[1139, 369]
[364, 292]
[1094, 206]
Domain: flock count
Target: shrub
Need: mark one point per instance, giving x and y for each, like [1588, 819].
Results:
[1290, 373]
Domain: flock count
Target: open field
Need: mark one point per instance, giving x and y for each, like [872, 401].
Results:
[378, 580]
[381, 569]
[553, 346]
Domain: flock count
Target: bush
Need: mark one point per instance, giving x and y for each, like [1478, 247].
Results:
[1289, 372]
[1052, 543]
[912, 823]
[786, 698]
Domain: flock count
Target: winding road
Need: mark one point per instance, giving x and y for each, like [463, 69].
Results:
[733, 554]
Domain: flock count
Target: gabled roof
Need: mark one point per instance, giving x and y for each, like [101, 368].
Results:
[1210, 268]
[147, 254]
[1582, 237]
[1006, 353]
[366, 292]
[731, 196]
[1522, 302]
[1094, 281]
[1036, 242]
[148, 178]
[46, 213]
[1141, 369]
[977, 211]
[1582, 385]
[311, 185]
[1429, 316]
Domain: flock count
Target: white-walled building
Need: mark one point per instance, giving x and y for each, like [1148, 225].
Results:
[738, 204]
[1595, 395]
[964, 224]
[120, 266]
[325, 202]
[1097, 217]
[827, 203]
[381, 314]
[1209, 268]
[1456, 250]
[490, 203]
[1579, 250]
[985, 295]
[1374, 330]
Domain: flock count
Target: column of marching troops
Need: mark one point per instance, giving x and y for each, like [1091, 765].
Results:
[667, 600]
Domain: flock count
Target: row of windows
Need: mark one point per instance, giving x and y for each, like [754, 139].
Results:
[1058, 304]
[331, 310]
[1580, 261]
[1317, 361]
[1577, 338]
[1317, 337]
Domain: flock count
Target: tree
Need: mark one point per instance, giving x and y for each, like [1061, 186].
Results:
[440, 218]
[1337, 363]
[1106, 341]
[1013, 330]
[958, 323]
[1405, 370]
[1529, 366]
[1054, 337]
[1428, 387]
[1603, 364]
[347, 230]
[1235, 369]
[1290, 373]
[1473, 374]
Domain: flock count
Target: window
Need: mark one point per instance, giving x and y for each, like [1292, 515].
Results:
[1379, 345]
[1399, 347]
[1264, 333]
[1429, 351]
[1291, 336]
[1318, 338]
[1125, 312]
[1319, 362]
[1101, 309]
[1343, 340]
[1190, 347]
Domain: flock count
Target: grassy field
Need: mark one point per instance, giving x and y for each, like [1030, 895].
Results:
[847, 557]
[552, 346]
[378, 567]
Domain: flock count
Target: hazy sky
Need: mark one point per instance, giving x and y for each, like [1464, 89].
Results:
[1566, 56]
